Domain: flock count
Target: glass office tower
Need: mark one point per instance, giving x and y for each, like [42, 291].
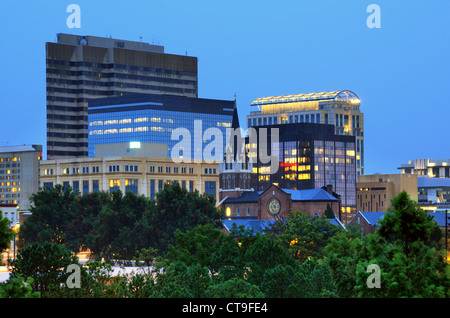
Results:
[80, 68]
[338, 108]
[152, 118]
[310, 156]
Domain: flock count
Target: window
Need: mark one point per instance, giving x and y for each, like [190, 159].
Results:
[167, 169]
[131, 185]
[248, 211]
[191, 186]
[85, 187]
[210, 188]
[238, 212]
[76, 186]
[95, 185]
[114, 184]
[191, 170]
[152, 189]
[152, 168]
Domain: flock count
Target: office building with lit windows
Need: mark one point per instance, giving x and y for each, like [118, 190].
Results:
[338, 108]
[152, 118]
[310, 156]
[140, 175]
[80, 68]
[19, 174]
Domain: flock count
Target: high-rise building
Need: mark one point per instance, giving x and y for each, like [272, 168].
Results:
[153, 118]
[19, 174]
[309, 156]
[338, 108]
[80, 68]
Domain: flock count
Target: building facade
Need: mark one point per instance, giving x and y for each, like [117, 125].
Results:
[338, 108]
[155, 118]
[19, 174]
[276, 202]
[141, 175]
[80, 68]
[375, 192]
[435, 191]
[309, 156]
[433, 168]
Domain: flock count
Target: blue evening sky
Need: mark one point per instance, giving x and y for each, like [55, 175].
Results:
[260, 48]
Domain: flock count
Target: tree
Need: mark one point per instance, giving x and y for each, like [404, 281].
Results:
[263, 254]
[402, 247]
[45, 263]
[52, 210]
[329, 213]
[6, 235]
[209, 247]
[304, 237]
[234, 288]
[342, 256]
[177, 208]
[17, 287]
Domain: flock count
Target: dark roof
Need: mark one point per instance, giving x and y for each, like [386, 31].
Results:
[161, 102]
[296, 195]
[246, 197]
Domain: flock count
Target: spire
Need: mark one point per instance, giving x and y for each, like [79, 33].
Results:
[235, 122]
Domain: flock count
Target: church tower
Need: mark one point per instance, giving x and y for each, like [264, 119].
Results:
[235, 172]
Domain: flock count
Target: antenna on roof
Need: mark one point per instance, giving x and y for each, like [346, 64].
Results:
[140, 37]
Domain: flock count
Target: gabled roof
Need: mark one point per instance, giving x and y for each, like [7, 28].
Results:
[296, 195]
[310, 195]
[372, 218]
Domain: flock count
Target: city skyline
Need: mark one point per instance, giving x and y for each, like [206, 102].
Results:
[257, 49]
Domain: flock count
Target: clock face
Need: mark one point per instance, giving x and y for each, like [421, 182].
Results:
[274, 206]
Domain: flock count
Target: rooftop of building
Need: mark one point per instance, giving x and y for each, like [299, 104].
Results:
[20, 148]
[89, 40]
[258, 225]
[343, 95]
[161, 102]
[428, 182]
[296, 195]
[373, 218]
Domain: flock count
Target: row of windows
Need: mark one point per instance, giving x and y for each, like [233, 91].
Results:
[130, 168]
[132, 185]
[8, 159]
[120, 66]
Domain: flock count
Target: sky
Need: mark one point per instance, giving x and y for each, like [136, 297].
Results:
[253, 49]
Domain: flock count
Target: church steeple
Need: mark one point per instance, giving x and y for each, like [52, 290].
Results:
[235, 122]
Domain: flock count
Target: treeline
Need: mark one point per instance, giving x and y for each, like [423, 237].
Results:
[179, 250]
